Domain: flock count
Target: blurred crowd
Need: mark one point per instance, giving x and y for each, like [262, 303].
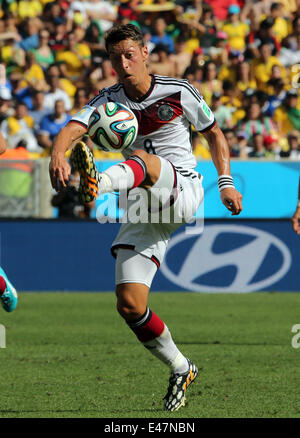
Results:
[243, 57]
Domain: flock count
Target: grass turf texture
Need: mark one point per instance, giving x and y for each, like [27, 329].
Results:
[71, 355]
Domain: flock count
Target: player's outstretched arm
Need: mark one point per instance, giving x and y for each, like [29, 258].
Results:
[59, 168]
[230, 197]
[296, 220]
[2, 144]
[296, 217]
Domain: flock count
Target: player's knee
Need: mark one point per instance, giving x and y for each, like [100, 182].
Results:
[152, 163]
[142, 154]
[128, 307]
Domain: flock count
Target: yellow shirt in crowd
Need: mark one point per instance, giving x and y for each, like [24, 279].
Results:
[26, 9]
[73, 61]
[236, 33]
[262, 70]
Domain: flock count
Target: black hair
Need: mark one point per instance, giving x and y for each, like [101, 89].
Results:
[123, 32]
[275, 5]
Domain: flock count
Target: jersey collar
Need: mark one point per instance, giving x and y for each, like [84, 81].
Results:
[142, 98]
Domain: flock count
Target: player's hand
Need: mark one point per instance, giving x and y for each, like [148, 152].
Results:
[59, 170]
[296, 221]
[232, 199]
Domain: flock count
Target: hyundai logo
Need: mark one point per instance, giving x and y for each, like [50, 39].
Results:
[245, 259]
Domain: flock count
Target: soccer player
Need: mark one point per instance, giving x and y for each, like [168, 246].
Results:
[160, 159]
[296, 216]
[8, 294]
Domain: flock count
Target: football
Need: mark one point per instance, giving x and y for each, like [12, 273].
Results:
[112, 127]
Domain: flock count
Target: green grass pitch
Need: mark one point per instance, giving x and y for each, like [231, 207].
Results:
[71, 355]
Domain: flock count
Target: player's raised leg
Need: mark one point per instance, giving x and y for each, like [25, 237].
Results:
[134, 275]
[140, 169]
[8, 294]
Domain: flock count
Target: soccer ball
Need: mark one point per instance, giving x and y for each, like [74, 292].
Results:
[112, 127]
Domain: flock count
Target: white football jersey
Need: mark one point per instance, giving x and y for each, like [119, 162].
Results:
[165, 114]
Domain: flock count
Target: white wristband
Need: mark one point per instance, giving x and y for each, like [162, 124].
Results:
[225, 181]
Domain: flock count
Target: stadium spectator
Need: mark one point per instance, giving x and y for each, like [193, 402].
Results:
[51, 124]
[25, 9]
[261, 68]
[220, 8]
[221, 112]
[190, 12]
[18, 153]
[20, 127]
[237, 142]
[16, 172]
[30, 37]
[79, 31]
[6, 109]
[75, 60]
[11, 54]
[287, 115]
[194, 75]
[210, 82]
[103, 75]
[243, 145]
[102, 12]
[127, 11]
[293, 151]
[33, 74]
[235, 29]
[43, 54]
[77, 11]
[11, 23]
[220, 50]
[58, 37]
[276, 96]
[94, 40]
[229, 70]
[272, 147]
[197, 62]
[67, 201]
[81, 98]
[153, 171]
[264, 35]
[280, 28]
[232, 141]
[259, 150]
[39, 27]
[159, 35]
[163, 65]
[231, 99]
[255, 10]
[200, 147]
[290, 53]
[55, 91]
[37, 112]
[181, 58]
[295, 32]
[256, 123]
[243, 77]
[207, 28]
[52, 15]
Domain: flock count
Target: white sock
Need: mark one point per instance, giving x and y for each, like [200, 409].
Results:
[115, 178]
[164, 348]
